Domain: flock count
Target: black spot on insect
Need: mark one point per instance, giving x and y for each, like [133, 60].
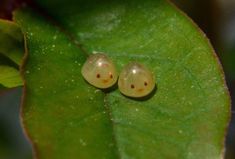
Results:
[132, 86]
[145, 83]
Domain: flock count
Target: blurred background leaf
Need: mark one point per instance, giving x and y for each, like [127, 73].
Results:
[11, 54]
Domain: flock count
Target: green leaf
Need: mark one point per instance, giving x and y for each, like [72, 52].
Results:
[10, 77]
[11, 41]
[11, 54]
[65, 117]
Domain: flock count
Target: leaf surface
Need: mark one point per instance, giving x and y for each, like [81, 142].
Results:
[185, 117]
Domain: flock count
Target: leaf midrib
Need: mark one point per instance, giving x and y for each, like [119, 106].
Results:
[111, 120]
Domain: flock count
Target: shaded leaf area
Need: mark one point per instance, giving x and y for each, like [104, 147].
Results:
[11, 54]
[64, 116]
[67, 118]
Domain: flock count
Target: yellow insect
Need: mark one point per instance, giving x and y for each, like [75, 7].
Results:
[135, 80]
[99, 71]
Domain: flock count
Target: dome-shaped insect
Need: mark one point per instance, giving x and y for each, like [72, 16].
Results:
[99, 71]
[135, 80]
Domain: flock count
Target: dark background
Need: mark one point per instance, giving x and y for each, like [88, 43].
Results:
[215, 17]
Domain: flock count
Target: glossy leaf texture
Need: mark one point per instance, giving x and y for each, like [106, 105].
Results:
[185, 117]
[11, 54]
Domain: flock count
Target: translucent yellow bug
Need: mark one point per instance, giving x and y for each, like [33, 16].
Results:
[135, 80]
[99, 71]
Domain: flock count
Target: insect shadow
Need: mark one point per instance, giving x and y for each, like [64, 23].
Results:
[110, 89]
[115, 87]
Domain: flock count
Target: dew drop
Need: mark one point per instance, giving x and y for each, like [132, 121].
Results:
[55, 37]
[96, 91]
[76, 42]
[82, 142]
